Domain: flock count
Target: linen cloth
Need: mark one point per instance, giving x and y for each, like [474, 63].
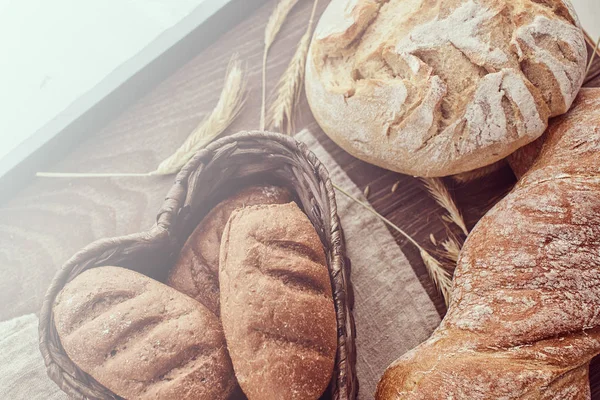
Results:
[393, 312]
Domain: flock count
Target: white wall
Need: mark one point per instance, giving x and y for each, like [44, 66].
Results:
[53, 51]
[589, 15]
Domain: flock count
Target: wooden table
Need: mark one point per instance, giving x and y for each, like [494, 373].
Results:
[42, 225]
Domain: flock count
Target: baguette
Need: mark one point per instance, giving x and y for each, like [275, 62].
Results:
[276, 303]
[524, 320]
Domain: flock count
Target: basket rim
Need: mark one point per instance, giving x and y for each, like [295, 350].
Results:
[173, 203]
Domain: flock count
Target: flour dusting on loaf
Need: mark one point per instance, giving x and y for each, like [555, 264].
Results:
[411, 85]
[464, 28]
[524, 320]
[544, 41]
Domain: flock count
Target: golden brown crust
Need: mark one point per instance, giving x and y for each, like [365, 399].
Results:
[439, 87]
[276, 303]
[142, 339]
[196, 272]
[524, 321]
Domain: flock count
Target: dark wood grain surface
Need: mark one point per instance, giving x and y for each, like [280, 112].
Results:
[42, 225]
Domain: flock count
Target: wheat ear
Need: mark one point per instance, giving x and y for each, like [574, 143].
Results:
[289, 87]
[274, 24]
[440, 193]
[440, 277]
[227, 109]
[452, 249]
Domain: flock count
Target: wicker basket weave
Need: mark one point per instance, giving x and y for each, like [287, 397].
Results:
[206, 178]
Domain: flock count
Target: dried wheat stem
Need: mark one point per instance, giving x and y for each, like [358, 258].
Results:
[90, 175]
[441, 278]
[451, 249]
[274, 24]
[227, 109]
[440, 193]
[593, 56]
[289, 87]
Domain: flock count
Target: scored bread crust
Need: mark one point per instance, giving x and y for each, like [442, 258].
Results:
[523, 322]
[276, 303]
[196, 272]
[142, 339]
[440, 87]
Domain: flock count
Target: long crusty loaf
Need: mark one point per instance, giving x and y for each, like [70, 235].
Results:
[276, 303]
[196, 272]
[142, 339]
[524, 321]
[439, 87]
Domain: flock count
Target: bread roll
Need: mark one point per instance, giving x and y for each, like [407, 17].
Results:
[524, 321]
[439, 87]
[142, 339]
[196, 272]
[276, 303]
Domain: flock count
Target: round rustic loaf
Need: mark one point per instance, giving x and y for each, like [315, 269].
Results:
[440, 87]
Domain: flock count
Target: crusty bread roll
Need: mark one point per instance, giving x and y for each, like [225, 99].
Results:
[524, 321]
[439, 87]
[142, 339]
[196, 272]
[276, 303]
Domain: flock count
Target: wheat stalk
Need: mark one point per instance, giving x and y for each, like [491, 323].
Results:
[274, 24]
[441, 278]
[451, 249]
[227, 109]
[469, 176]
[440, 193]
[288, 88]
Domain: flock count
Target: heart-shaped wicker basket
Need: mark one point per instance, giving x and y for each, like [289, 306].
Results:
[206, 179]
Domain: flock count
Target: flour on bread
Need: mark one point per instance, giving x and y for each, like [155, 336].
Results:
[568, 73]
[463, 29]
[360, 46]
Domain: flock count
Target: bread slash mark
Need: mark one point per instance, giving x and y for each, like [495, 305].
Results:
[136, 331]
[300, 249]
[98, 305]
[283, 340]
